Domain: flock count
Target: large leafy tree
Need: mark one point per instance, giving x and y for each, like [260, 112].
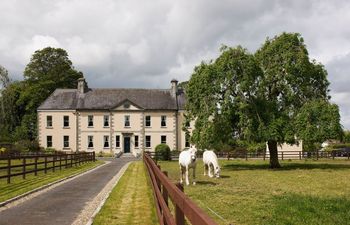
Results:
[48, 69]
[265, 97]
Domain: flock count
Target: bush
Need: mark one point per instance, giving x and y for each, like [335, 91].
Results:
[27, 145]
[163, 152]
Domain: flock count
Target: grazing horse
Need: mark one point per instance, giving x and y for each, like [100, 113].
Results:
[187, 160]
[210, 160]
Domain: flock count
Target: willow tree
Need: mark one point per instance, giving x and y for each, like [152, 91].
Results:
[265, 97]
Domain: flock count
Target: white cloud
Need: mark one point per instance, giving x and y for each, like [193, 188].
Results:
[134, 43]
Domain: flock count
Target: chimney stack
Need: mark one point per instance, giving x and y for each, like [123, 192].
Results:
[82, 86]
[174, 88]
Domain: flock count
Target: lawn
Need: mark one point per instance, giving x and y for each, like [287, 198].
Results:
[19, 186]
[302, 192]
[131, 201]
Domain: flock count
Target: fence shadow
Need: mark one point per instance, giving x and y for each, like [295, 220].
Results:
[205, 183]
[287, 166]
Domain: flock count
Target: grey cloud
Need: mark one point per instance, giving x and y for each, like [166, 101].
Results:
[147, 43]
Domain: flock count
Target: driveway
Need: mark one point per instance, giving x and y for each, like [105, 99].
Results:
[62, 204]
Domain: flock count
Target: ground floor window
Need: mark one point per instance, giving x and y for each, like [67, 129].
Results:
[148, 141]
[136, 141]
[65, 141]
[117, 141]
[163, 139]
[48, 141]
[90, 141]
[106, 141]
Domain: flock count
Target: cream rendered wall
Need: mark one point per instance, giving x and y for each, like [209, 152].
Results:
[57, 131]
[156, 130]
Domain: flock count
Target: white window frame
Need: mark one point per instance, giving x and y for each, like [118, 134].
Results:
[161, 137]
[106, 140]
[105, 120]
[150, 123]
[65, 141]
[163, 119]
[127, 121]
[47, 141]
[117, 141]
[64, 121]
[49, 122]
[148, 144]
[90, 140]
[90, 119]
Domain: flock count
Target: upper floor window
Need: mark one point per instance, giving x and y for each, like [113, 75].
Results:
[65, 141]
[148, 141]
[90, 141]
[48, 121]
[163, 139]
[90, 120]
[106, 141]
[106, 120]
[48, 141]
[117, 141]
[163, 121]
[127, 121]
[148, 121]
[65, 121]
[136, 141]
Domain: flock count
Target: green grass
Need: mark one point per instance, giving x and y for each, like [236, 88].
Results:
[131, 201]
[302, 192]
[19, 186]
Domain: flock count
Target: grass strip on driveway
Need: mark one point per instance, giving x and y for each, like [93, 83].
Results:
[20, 186]
[131, 201]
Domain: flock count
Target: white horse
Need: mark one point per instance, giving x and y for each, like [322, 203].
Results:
[187, 160]
[210, 160]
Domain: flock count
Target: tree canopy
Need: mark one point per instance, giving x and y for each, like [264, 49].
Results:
[261, 97]
[48, 69]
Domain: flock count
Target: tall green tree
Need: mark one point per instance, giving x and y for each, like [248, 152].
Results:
[265, 97]
[48, 69]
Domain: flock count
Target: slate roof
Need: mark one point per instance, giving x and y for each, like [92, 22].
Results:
[104, 99]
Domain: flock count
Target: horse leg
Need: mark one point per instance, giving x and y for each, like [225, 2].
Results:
[194, 175]
[187, 181]
[209, 170]
[205, 168]
[181, 175]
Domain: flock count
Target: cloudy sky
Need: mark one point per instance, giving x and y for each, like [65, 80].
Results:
[147, 43]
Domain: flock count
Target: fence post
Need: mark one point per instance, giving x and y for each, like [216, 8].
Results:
[165, 192]
[93, 156]
[36, 166]
[24, 168]
[246, 156]
[9, 169]
[264, 155]
[66, 159]
[282, 155]
[179, 215]
[53, 163]
[45, 164]
[316, 154]
[299, 155]
[333, 154]
[60, 162]
[158, 181]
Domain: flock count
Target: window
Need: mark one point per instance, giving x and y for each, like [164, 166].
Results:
[106, 141]
[127, 121]
[90, 141]
[65, 121]
[148, 121]
[187, 141]
[48, 141]
[163, 139]
[148, 141]
[136, 141]
[117, 141]
[48, 121]
[163, 121]
[90, 120]
[65, 141]
[106, 120]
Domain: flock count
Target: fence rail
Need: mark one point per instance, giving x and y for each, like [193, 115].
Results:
[164, 189]
[11, 166]
[265, 155]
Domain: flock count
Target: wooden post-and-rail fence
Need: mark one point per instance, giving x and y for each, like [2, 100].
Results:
[11, 166]
[164, 189]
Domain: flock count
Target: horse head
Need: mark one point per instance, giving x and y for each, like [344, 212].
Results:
[193, 152]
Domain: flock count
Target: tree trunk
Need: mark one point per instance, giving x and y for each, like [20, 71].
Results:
[273, 154]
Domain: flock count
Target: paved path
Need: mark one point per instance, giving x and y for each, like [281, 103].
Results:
[62, 204]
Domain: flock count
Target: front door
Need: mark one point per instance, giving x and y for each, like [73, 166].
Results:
[126, 144]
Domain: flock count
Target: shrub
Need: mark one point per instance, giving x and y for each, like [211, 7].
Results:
[163, 152]
[27, 145]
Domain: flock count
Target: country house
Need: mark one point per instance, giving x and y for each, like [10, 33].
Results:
[112, 120]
